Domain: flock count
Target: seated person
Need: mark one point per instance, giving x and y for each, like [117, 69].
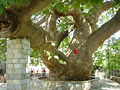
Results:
[44, 74]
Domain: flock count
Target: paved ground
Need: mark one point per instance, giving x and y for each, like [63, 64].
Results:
[2, 86]
[105, 85]
[109, 85]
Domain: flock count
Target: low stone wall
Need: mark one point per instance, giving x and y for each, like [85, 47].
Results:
[117, 79]
[64, 85]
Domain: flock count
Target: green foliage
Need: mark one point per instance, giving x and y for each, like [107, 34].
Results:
[63, 23]
[1, 10]
[3, 49]
[60, 5]
[106, 16]
[114, 54]
[64, 44]
[86, 6]
[108, 55]
[7, 4]
[117, 2]
[35, 58]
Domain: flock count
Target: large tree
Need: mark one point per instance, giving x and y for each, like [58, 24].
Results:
[47, 29]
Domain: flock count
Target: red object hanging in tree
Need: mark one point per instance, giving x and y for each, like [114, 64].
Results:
[75, 51]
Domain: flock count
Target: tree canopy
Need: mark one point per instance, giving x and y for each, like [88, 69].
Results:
[107, 57]
[62, 5]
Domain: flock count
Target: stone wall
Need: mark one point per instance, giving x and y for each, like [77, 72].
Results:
[117, 79]
[18, 52]
[64, 85]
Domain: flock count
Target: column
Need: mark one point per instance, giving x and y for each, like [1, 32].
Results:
[18, 55]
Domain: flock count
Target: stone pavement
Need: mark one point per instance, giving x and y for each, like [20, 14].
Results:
[2, 86]
[109, 85]
[104, 85]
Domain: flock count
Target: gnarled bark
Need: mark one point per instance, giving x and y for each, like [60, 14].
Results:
[8, 24]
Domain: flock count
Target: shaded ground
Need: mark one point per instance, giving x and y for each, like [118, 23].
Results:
[103, 85]
[106, 85]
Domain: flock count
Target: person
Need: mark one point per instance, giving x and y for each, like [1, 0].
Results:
[44, 74]
[37, 74]
[32, 73]
[2, 78]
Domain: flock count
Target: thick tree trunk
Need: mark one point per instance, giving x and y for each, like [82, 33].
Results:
[78, 68]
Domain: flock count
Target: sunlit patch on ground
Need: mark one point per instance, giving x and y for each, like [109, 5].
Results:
[105, 85]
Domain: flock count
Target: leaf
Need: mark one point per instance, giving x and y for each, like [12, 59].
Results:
[76, 4]
[1, 10]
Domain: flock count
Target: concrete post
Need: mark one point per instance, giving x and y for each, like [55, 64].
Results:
[18, 54]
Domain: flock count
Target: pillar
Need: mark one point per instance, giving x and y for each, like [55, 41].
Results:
[18, 54]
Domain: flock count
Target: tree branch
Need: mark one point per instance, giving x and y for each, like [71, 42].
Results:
[104, 7]
[39, 39]
[33, 7]
[80, 20]
[97, 12]
[104, 32]
[61, 37]
[51, 25]
[53, 64]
